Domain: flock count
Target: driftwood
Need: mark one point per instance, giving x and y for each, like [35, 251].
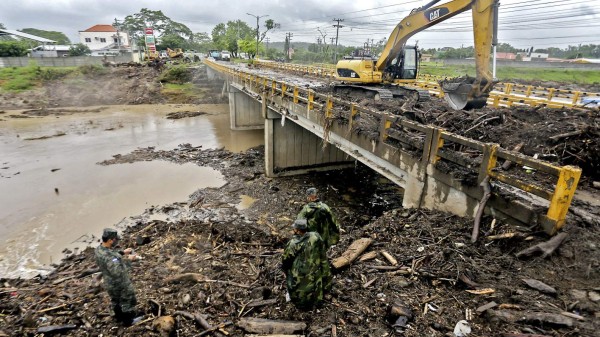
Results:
[569, 134]
[194, 317]
[539, 285]
[261, 303]
[389, 257]
[541, 318]
[218, 327]
[198, 278]
[56, 328]
[546, 248]
[507, 164]
[503, 236]
[487, 192]
[268, 326]
[367, 256]
[356, 248]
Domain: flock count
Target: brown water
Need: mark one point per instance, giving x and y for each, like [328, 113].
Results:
[53, 194]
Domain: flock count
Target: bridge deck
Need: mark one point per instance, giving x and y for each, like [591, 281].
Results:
[411, 152]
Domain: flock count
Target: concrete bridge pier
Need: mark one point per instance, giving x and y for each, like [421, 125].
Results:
[245, 111]
[291, 149]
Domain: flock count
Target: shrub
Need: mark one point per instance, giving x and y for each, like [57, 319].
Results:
[178, 74]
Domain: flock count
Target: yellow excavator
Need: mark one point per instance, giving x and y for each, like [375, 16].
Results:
[392, 74]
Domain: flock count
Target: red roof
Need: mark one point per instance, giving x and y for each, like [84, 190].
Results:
[101, 28]
[505, 56]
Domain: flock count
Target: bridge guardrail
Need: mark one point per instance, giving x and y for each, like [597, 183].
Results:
[434, 145]
[504, 93]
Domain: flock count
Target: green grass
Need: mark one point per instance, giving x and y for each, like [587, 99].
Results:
[26, 78]
[181, 90]
[506, 74]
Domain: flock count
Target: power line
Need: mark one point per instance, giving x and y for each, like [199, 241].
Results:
[337, 26]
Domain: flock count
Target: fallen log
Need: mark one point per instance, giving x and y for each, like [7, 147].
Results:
[268, 326]
[546, 248]
[356, 248]
[198, 278]
[487, 192]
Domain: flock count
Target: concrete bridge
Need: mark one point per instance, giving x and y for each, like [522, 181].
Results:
[306, 131]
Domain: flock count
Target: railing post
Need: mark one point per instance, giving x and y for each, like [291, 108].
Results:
[386, 123]
[295, 94]
[311, 99]
[283, 89]
[568, 178]
[550, 93]
[329, 107]
[436, 144]
[488, 162]
[353, 112]
[576, 96]
[529, 90]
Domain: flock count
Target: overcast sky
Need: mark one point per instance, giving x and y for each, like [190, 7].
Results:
[523, 23]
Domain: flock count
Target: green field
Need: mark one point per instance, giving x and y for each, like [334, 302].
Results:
[506, 74]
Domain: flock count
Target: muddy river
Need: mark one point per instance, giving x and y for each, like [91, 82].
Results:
[54, 195]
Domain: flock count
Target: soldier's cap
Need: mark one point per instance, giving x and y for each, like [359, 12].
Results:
[311, 191]
[300, 224]
[110, 233]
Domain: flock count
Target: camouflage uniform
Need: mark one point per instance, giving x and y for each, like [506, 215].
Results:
[115, 271]
[307, 269]
[321, 220]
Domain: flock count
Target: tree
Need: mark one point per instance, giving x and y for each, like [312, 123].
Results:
[162, 25]
[79, 49]
[171, 41]
[13, 48]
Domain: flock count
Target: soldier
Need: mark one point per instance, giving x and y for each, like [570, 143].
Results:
[320, 218]
[306, 267]
[115, 271]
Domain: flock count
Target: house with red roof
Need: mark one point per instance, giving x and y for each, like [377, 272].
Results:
[105, 40]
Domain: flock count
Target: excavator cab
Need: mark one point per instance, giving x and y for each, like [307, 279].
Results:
[404, 66]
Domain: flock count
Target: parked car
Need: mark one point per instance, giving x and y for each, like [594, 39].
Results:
[225, 56]
[215, 54]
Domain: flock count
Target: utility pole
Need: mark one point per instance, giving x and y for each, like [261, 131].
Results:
[337, 26]
[257, 30]
[268, 40]
[118, 37]
[288, 37]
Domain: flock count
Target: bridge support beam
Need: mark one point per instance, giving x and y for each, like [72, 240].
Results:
[245, 111]
[291, 150]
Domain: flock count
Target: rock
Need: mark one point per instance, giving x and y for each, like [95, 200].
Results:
[165, 325]
[578, 295]
[462, 329]
[594, 296]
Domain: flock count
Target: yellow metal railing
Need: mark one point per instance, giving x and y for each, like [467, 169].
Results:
[503, 94]
[433, 143]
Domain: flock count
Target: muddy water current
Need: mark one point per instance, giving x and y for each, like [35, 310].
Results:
[54, 195]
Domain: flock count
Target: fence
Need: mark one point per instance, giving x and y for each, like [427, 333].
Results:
[71, 61]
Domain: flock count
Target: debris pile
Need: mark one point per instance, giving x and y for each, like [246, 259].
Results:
[212, 269]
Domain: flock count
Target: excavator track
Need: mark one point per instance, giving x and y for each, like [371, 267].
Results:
[381, 93]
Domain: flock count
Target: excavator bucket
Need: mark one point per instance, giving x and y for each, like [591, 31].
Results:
[464, 94]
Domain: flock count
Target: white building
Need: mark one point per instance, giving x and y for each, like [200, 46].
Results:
[104, 40]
